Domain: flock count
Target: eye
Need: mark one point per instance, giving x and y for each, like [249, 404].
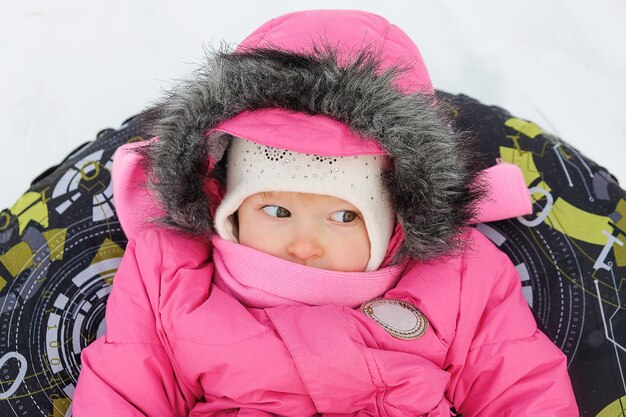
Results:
[277, 211]
[344, 216]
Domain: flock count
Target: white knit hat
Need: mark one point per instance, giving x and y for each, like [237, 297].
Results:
[254, 168]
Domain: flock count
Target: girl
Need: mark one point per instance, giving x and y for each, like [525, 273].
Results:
[343, 278]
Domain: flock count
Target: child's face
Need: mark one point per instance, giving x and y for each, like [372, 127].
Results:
[315, 230]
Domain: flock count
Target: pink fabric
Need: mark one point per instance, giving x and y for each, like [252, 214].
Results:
[276, 127]
[178, 343]
[135, 204]
[507, 194]
[257, 279]
[350, 31]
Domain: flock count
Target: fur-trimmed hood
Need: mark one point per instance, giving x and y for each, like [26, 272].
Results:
[352, 67]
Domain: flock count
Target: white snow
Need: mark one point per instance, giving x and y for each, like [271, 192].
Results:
[69, 69]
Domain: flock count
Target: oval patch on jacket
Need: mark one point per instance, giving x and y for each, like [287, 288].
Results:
[399, 318]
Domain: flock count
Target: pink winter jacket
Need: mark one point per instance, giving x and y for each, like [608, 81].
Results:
[179, 345]
[191, 331]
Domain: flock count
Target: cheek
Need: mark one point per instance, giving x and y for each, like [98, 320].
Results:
[352, 253]
[257, 235]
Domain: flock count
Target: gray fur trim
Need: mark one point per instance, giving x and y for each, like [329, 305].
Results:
[433, 178]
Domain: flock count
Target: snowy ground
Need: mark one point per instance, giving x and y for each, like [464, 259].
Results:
[69, 68]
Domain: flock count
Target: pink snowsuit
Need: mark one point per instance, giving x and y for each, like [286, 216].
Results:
[197, 329]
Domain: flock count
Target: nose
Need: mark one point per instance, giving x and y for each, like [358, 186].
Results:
[305, 248]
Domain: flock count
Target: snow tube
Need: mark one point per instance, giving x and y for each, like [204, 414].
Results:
[61, 243]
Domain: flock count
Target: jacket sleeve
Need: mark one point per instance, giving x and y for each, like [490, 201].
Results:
[500, 363]
[127, 372]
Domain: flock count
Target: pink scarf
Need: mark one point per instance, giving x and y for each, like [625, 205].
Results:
[257, 279]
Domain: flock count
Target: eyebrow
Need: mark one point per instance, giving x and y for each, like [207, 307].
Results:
[266, 195]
